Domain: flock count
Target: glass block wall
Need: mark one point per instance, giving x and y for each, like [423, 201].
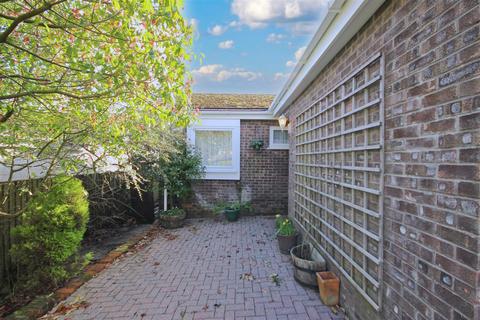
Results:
[338, 176]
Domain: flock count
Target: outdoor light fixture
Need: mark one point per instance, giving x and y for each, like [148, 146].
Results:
[283, 121]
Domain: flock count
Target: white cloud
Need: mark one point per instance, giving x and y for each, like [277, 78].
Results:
[208, 69]
[217, 30]
[228, 44]
[275, 37]
[235, 24]
[298, 55]
[302, 27]
[219, 73]
[290, 63]
[259, 13]
[280, 76]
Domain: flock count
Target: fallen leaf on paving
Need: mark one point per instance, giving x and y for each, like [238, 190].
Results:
[275, 279]
[182, 313]
[336, 309]
[193, 229]
[247, 276]
[64, 309]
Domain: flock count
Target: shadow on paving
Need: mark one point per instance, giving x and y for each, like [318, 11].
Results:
[117, 237]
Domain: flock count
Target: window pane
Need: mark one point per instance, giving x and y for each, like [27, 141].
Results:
[280, 136]
[215, 147]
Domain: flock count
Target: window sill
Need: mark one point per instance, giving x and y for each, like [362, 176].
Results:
[222, 176]
[279, 147]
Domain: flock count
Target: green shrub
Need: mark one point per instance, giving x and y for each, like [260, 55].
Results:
[174, 212]
[235, 205]
[49, 235]
[286, 228]
[174, 170]
[279, 219]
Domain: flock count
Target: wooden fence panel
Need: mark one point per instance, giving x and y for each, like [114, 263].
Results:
[110, 199]
[17, 197]
[109, 196]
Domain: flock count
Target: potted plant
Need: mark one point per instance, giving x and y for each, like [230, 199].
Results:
[172, 218]
[232, 210]
[279, 219]
[257, 144]
[245, 207]
[172, 170]
[286, 236]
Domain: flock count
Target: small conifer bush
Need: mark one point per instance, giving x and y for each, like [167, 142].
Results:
[49, 234]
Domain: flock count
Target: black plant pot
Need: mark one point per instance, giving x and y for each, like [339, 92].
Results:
[285, 243]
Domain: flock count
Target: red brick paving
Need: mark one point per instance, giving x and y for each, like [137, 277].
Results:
[198, 276]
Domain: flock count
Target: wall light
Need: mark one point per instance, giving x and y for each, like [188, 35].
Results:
[283, 121]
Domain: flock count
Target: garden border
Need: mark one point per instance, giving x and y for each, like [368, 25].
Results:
[42, 304]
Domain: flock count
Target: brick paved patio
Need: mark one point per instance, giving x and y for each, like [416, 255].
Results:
[198, 276]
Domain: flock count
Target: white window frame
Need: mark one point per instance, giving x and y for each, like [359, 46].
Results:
[220, 172]
[280, 146]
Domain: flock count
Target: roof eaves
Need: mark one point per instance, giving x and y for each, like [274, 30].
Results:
[342, 21]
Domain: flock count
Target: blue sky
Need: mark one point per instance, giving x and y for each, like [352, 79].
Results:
[249, 46]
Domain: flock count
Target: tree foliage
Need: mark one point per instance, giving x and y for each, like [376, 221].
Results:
[83, 83]
[179, 172]
[175, 172]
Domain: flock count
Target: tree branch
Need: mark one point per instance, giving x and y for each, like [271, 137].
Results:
[19, 76]
[44, 59]
[6, 116]
[53, 91]
[35, 22]
[23, 17]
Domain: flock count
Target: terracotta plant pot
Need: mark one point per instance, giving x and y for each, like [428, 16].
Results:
[329, 288]
[172, 222]
[307, 262]
[232, 214]
[285, 243]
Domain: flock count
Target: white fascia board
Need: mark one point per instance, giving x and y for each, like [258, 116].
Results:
[217, 122]
[343, 20]
[237, 114]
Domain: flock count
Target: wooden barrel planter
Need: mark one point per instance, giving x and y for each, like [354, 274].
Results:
[307, 262]
[172, 222]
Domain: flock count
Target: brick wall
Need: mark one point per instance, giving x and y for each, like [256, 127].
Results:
[431, 266]
[263, 177]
